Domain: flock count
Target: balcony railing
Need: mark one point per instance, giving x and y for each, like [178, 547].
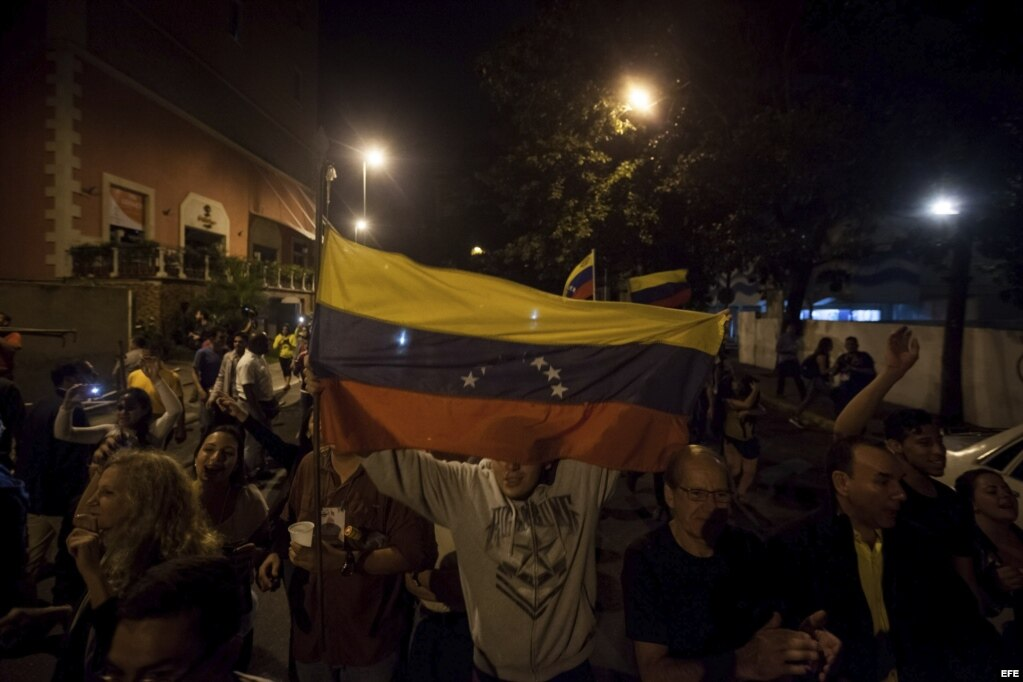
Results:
[151, 261]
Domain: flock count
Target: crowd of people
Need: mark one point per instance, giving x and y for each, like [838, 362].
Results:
[428, 567]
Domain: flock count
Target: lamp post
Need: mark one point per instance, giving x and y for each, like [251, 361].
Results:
[360, 225]
[372, 158]
[944, 209]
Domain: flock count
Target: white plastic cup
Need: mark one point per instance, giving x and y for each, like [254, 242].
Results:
[302, 533]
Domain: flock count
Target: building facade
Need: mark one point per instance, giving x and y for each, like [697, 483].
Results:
[187, 126]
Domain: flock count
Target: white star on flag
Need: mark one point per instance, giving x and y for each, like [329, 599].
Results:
[539, 363]
[553, 374]
[558, 390]
[469, 381]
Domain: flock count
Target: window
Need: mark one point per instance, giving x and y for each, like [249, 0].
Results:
[841, 315]
[127, 215]
[300, 255]
[264, 254]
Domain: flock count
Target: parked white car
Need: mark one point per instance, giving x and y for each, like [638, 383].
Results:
[1001, 453]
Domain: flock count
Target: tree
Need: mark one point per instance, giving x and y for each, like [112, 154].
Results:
[238, 283]
[745, 168]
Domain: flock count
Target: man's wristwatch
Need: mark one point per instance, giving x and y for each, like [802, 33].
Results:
[349, 566]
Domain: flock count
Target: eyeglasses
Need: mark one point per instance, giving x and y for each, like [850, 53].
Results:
[698, 495]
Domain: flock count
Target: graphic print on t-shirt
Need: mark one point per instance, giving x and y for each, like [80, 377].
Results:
[526, 543]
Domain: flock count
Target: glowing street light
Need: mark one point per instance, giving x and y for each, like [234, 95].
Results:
[361, 225]
[477, 251]
[943, 206]
[639, 98]
[373, 158]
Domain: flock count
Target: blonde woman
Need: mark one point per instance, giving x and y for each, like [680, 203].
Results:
[139, 510]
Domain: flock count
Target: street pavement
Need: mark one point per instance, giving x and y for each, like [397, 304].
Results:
[791, 484]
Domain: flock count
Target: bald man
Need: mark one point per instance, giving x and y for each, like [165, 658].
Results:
[696, 607]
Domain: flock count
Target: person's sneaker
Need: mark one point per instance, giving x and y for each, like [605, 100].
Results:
[798, 424]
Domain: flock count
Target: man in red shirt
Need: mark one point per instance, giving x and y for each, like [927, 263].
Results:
[10, 343]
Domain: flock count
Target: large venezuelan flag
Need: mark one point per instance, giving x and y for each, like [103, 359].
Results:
[464, 363]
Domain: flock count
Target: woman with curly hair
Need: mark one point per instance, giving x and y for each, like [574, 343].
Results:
[134, 427]
[138, 511]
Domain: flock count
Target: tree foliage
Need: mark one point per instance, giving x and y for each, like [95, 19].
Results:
[783, 131]
[234, 285]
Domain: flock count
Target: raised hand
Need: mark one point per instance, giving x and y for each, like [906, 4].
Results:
[151, 368]
[73, 396]
[902, 350]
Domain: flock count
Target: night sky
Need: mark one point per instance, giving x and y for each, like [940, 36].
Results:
[400, 74]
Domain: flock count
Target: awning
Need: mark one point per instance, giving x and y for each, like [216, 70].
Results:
[285, 201]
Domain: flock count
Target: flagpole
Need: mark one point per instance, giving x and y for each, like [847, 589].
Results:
[326, 175]
[596, 280]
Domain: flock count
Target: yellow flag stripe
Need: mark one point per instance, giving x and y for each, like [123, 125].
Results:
[656, 279]
[392, 288]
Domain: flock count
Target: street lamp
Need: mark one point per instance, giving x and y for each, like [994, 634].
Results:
[944, 209]
[639, 97]
[477, 251]
[373, 158]
[361, 225]
[943, 206]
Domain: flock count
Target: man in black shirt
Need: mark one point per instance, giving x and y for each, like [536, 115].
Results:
[55, 473]
[696, 604]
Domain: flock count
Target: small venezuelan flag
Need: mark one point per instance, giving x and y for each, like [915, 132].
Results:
[464, 363]
[580, 282]
[668, 289]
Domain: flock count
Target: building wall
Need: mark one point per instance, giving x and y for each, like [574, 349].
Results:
[240, 82]
[23, 156]
[98, 315]
[992, 386]
[127, 135]
[161, 97]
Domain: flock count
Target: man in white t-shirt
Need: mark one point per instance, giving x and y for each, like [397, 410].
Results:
[255, 392]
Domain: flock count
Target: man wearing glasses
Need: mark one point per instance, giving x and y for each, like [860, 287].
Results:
[696, 606]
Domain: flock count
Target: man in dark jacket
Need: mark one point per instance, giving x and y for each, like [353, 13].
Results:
[894, 603]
